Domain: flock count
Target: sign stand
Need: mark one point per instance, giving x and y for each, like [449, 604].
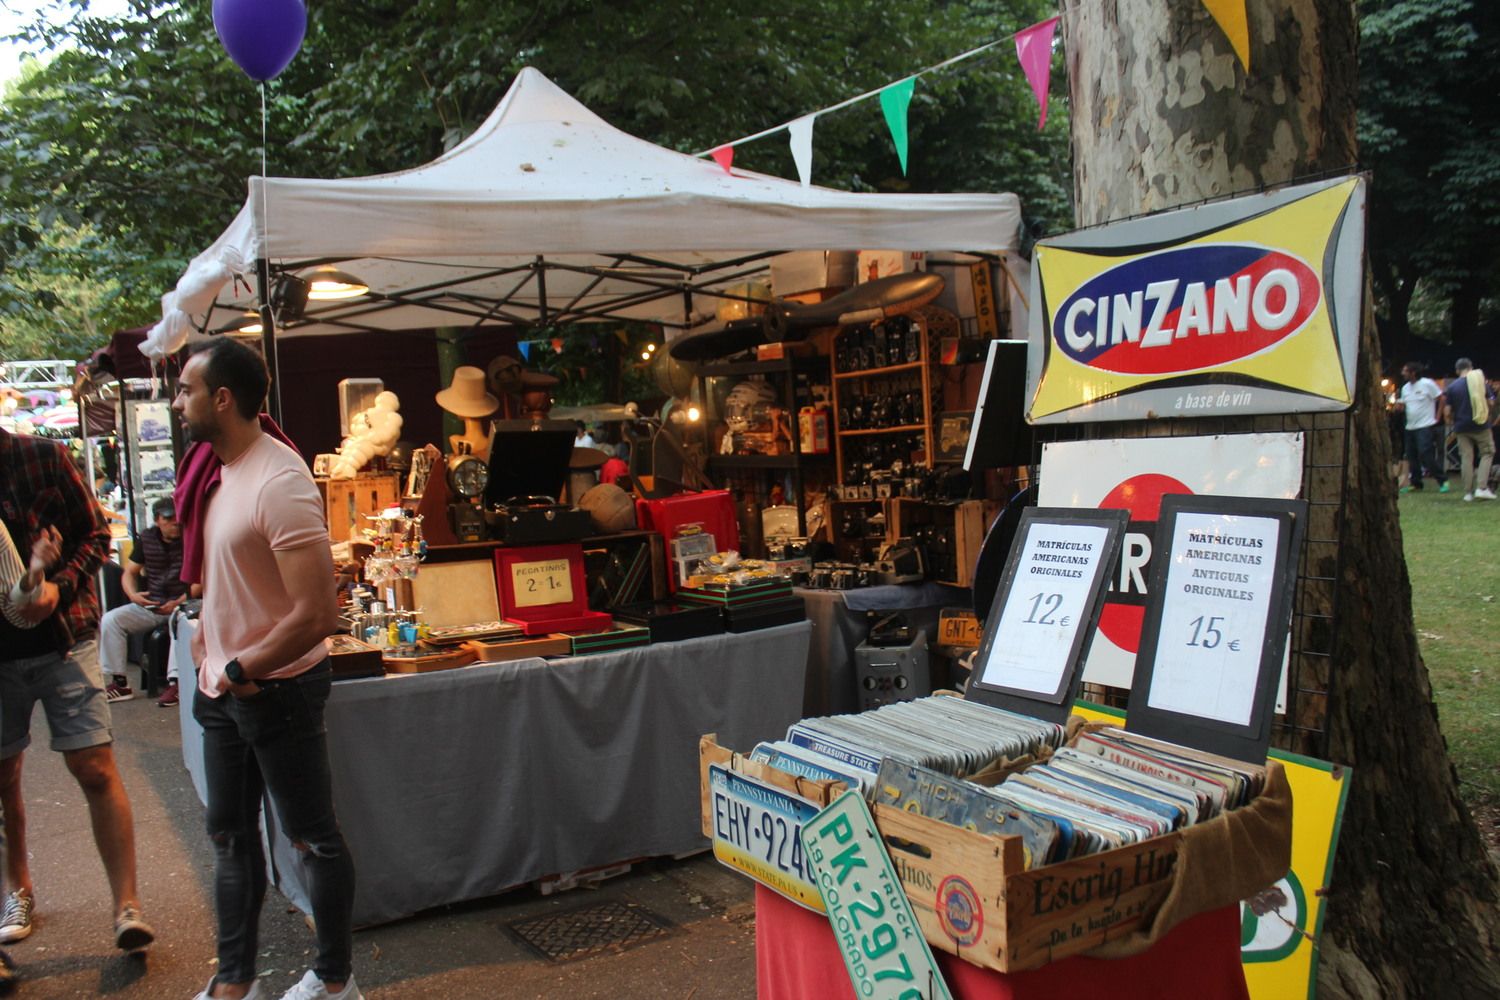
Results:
[1046, 610]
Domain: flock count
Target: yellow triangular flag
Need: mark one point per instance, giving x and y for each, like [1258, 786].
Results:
[1232, 21]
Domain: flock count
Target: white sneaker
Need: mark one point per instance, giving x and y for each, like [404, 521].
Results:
[312, 988]
[255, 992]
[1468, 498]
[1484, 494]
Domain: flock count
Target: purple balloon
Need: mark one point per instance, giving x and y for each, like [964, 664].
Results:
[261, 36]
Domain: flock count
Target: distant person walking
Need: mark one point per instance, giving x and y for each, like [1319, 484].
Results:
[1420, 400]
[42, 496]
[264, 676]
[1471, 408]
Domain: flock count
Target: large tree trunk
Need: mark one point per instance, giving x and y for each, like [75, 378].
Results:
[1163, 115]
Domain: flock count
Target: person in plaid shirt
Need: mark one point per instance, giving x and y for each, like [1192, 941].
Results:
[56, 662]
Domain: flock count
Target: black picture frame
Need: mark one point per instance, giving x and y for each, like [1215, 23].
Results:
[1053, 706]
[1250, 741]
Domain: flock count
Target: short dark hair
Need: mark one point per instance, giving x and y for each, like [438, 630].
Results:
[229, 364]
[164, 508]
[1462, 365]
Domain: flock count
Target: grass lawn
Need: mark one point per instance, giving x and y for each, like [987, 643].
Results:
[1453, 557]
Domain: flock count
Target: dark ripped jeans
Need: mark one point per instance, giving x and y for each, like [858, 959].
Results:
[274, 743]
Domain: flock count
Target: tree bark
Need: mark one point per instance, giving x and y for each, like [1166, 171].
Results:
[1163, 115]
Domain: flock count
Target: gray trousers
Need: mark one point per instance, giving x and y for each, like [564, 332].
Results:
[115, 630]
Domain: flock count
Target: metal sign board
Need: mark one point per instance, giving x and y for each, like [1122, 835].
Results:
[1244, 306]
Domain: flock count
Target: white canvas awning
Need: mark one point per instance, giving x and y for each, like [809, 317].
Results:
[547, 214]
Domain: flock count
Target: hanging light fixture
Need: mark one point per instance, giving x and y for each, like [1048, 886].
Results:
[328, 283]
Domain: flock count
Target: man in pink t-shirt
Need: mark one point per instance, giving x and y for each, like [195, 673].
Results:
[263, 675]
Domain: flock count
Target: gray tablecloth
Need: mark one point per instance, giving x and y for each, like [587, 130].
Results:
[840, 623]
[458, 784]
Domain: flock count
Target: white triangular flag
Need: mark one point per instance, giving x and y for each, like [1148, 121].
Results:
[801, 140]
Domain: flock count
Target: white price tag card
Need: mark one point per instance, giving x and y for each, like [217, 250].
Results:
[538, 584]
[1046, 609]
[1215, 628]
[1047, 605]
[884, 952]
[1213, 622]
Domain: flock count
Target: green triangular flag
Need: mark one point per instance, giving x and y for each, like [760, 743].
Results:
[894, 101]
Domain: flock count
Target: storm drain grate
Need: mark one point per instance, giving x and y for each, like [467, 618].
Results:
[589, 930]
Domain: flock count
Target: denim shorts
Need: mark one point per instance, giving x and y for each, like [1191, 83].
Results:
[71, 691]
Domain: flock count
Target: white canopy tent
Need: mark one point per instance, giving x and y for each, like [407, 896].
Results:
[545, 215]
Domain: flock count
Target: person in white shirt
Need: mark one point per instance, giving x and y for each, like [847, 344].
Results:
[1419, 399]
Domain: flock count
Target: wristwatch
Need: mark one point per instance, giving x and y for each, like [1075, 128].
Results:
[235, 672]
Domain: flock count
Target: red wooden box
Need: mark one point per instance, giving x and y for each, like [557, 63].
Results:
[714, 509]
[542, 589]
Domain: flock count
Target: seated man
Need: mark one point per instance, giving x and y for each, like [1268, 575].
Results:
[157, 554]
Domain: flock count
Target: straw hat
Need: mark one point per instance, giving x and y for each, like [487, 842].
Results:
[466, 397]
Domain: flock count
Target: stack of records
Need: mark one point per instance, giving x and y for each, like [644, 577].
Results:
[760, 603]
[669, 621]
[948, 735]
[606, 642]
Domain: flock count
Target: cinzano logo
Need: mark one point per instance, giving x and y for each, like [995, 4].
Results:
[1186, 309]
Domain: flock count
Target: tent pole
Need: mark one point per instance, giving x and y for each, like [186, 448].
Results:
[268, 335]
[541, 292]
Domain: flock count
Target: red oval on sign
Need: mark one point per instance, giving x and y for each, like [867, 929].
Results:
[1187, 309]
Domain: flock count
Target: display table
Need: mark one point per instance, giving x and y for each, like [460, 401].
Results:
[840, 623]
[797, 958]
[458, 784]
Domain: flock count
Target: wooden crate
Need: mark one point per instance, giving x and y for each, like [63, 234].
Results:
[346, 501]
[964, 522]
[974, 898]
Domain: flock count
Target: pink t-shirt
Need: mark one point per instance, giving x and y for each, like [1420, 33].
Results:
[266, 503]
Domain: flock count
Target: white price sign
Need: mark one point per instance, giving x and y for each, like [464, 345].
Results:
[1213, 623]
[1047, 604]
[538, 584]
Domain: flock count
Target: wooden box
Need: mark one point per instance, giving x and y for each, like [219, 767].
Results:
[556, 644]
[347, 501]
[973, 896]
[960, 528]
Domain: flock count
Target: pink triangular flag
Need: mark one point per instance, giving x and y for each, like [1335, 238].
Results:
[1034, 50]
[723, 156]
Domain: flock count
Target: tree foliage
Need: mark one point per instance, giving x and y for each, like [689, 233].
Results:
[142, 128]
[1429, 129]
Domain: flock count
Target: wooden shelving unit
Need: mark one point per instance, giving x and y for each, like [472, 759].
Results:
[934, 323]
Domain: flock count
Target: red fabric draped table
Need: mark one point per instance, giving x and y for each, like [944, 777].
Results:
[797, 958]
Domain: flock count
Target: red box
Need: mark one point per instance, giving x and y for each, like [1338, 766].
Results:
[542, 589]
[714, 509]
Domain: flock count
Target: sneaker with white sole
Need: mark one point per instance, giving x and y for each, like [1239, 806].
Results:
[256, 993]
[15, 919]
[312, 988]
[1484, 494]
[118, 692]
[1468, 498]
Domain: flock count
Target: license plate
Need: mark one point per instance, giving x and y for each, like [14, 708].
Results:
[757, 829]
[958, 630]
[878, 935]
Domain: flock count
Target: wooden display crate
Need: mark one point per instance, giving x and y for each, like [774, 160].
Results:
[973, 895]
[964, 524]
[348, 501]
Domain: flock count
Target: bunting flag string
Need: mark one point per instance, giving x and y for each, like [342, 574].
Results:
[1033, 49]
[1230, 14]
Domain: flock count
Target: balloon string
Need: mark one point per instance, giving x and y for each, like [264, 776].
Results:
[264, 200]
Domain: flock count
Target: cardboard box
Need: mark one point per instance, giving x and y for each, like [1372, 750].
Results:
[884, 263]
[809, 270]
[348, 501]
